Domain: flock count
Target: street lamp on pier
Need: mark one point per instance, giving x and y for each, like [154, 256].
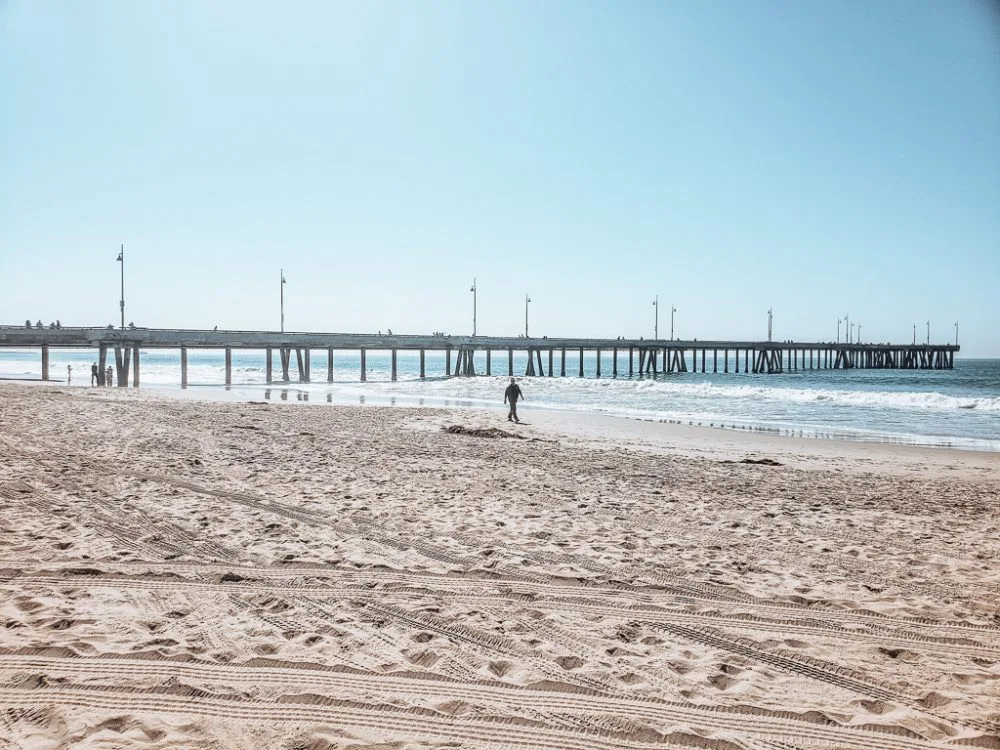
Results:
[527, 299]
[859, 334]
[770, 320]
[656, 317]
[283, 282]
[474, 291]
[838, 330]
[672, 311]
[847, 330]
[914, 334]
[928, 333]
[121, 259]
[956, 333]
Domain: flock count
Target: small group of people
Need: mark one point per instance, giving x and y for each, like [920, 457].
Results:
[95, 375]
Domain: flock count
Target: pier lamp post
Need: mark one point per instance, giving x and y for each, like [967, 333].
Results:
[283, 282]
[473, 290]
[850, 336]
[847, 332]
[956, 333]
[838, 330]
[121, 259]
[656, 317]
[527, 299]
[672, 311]
[770, 318]
[914, 334]
[858, 340]
[928, 333]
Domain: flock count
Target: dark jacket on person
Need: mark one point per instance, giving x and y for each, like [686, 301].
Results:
[513, 393]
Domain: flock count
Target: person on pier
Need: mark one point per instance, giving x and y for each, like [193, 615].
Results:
[511, 395]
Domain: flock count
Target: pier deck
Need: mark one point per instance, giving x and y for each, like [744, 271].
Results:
[645, 356]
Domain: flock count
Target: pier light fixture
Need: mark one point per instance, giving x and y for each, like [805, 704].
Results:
[858, 340]
[956, 333]
[474, 292]
[656, 317]
[851, 334]
[770, 321]
[914, 334]
[847, 330]
[838, 329]
[121, 259]
[928, 333]
[672, 311]
[527, 299]
[283, 282]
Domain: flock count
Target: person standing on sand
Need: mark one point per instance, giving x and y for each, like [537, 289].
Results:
[93, 374]
[69, 374]
[109, 377]
[512, 394]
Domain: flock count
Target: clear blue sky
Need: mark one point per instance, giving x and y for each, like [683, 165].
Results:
[822, 158]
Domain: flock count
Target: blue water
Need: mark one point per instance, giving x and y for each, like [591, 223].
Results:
[957, 408]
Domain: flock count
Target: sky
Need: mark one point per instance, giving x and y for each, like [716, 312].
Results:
[823, 159]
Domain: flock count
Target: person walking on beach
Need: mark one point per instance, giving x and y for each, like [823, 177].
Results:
[512, 394]
[109, 377]
[69, 374]
[93, 374]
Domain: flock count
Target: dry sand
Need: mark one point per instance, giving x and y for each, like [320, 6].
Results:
[219, 575]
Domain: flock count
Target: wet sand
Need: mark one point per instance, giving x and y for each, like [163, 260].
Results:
[227, 575]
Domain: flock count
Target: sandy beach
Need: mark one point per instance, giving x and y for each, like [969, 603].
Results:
[176, 573]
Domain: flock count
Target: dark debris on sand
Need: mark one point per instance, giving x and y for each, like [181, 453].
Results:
[492, 432]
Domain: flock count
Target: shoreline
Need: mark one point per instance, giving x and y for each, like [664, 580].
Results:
[827, 443]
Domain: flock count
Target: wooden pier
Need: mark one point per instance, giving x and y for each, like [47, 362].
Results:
[646, 357]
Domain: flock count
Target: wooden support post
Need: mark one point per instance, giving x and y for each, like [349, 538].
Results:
[530, 369]
[229, 366]
[614, 362]
[423, 371]
[562, 362]
[393, 364]
[538, 355]
[598, 363]
[737, 361]
[631, 350]
[715, 360]
[184, 367]
[298, 361]
[286, 355]
[329, 364]
[447, 362]
[135, 366]
[703, 360]
[307, 358]
[269, 366]
[551, 355]
[45, 361]
[510, 362]
[102, 365]
[489, 363]
[581, 361]
[725, 361]
[364, 369]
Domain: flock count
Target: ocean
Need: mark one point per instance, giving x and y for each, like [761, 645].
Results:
[957, 408]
